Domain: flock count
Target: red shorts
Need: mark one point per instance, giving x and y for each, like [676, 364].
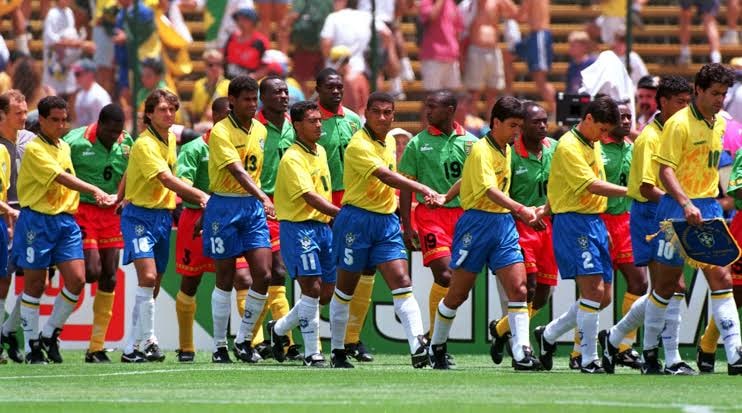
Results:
[275, 235]
[618, 229]
[736, 229]
[538, 252]
[435, 228]
[337, 198]
[190, 260]
[100, 227]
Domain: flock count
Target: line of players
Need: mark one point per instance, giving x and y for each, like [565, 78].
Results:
[366, 232]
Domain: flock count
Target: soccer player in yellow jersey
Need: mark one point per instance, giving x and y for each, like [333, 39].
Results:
[366, 232]
[146, 221]
[234, 222]
[304, 208]
[673, 94]
[688, 158]
[577, 194]
[46, 231]
[486, 235]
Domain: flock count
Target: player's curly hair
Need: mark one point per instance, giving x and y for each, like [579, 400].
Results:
[300, 109]
[48, 103]
[603, 110]
[505, 108]
[714, 73]
[242, 83]
[672, 85]
[154, 99]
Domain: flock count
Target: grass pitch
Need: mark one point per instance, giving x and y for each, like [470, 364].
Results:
[388, 384]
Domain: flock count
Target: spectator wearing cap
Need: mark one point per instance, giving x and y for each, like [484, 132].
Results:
[637, 68]
[209, 87]
[580, 57]
[90, 97]
[356, 88]
[646, 102]
[244, 50]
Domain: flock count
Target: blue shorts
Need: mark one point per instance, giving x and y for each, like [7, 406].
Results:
[363, 239]
[537, 50]
[642, 222]
[581, 246]
[306, 248]
[665, 252]
[485, 238]
[146, 234]
[3, 249]
[233, 226]
[42, 240]
[702, 6]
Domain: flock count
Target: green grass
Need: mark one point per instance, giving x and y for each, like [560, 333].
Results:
[388, 384]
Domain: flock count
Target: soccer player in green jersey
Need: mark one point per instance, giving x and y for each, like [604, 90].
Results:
[435, 157]
[99, 158]
[530, 167]
[338, 126]
[274, 94]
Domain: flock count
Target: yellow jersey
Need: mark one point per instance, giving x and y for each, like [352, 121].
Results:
[692, 147]
[230, 142]
[42, 163]
[4, 173]
[576, 164]
[301, 170]
[643, 169]
[149, 157]
[488, 166]
[365, 154]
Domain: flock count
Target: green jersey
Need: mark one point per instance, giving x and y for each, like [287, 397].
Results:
[193, 165]
[530, 173]
[735, 180]
[437, 160]
[617, 162]
[337, 129]
[276, 142]
[94, 163]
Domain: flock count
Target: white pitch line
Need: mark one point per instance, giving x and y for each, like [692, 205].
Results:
[132, 373]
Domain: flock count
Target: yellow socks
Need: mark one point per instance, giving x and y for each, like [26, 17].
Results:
[576, 349]
[629, 339]
[185, 309]
[278, 305]
[102, 313]
[359, 308]
[710, 337]
[437, 292]
[503, 324]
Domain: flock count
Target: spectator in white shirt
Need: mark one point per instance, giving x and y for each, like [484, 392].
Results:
[637, 68]
[91, 97]
[63, 46]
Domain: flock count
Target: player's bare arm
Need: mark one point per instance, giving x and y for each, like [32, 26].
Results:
[670, 181]
[319, 203]
[239, 173]
[183, 190]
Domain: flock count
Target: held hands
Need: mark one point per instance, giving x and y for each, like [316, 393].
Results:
[103, 199]
[527, 215]
[433, 199]
[203, 200]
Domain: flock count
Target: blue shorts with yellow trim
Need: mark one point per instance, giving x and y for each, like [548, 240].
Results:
[42, 240]
[485, 238]
[665, 252]
[642, 222]
[146, 233]
[233, 226]
[306, 248]
[581, 246]
[363, 239]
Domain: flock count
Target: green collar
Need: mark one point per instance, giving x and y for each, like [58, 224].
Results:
[236, 124]
[493, 142]
[698, 115]
[373, 136]
[305, 147]
[581, 137]
[157, 135]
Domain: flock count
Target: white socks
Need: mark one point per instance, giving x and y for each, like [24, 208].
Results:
[587, 325]
[29, 318]
[671, 332]
[13, 321]
[518, 320]
[309, 324]
[408, 311]
[221, 301]
[132, 340]
[254, 304]
[146, 300]
[654, 320]
[561, 325]
[443, 321]
[289, 321]
[339, 313]
[64, 304]
[727, 320]
[630, 321]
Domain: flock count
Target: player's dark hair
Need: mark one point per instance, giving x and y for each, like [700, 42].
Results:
[111, 113]
[603, 110]
[324, 74]
[154, 64]
[506, 107]
[670, 86]
[50, 102]
[220, 104]
[714, 73]
[242, 83]
[154, 99]
[379, 97]
[266, 81]
[446, 97]
[300, 109]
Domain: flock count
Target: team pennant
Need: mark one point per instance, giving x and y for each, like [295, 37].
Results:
[708, 244]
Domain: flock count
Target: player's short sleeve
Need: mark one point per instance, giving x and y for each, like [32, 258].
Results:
[363, 159]
[45, 168]
[481, 172]
[297, 179]
[735, 179]
[643, 156]
[187, 164]
[221, 149]
[149, 159]
[408, 163]
[672, 144]
[577, 171]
